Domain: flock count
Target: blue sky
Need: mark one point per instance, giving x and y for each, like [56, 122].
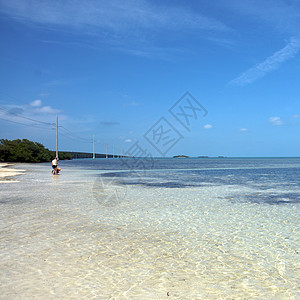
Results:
[114, 68]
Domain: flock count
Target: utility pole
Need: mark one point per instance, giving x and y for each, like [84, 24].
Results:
[106, 150]
[93, 147]
[57, 137]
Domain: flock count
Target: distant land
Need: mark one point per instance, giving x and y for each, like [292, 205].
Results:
[202, 156]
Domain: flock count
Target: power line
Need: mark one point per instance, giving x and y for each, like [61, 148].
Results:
[26, 118]
[75, 135]
[68, 133]
[67, 136]
[71, 137]
[30, 125]
[9, 96]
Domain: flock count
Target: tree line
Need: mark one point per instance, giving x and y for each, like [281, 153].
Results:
[27, 151]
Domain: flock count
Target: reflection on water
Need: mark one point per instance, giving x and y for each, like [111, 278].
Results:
[187, 233]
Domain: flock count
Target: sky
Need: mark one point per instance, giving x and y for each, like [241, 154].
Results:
[160, 78]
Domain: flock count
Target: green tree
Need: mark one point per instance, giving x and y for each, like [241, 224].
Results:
[24, 151]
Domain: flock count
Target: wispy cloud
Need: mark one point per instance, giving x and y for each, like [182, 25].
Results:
[281, 16]
[36, 103]
[109, 123]
[115, 15]
[270, 64]
[16, 110]
[243, 130]
[133, 25]
[44, 95]
[275, 121]
[132, 103]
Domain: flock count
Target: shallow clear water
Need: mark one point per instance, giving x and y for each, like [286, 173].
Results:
[182, 229]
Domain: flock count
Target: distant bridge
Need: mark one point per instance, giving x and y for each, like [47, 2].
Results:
[90, 155]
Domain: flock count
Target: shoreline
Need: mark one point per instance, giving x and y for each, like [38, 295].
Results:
[6, 172]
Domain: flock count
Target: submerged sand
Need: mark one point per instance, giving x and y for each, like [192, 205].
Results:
[74, 236]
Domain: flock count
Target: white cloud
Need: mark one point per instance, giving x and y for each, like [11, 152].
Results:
[243, 129]
[270, 64]
[36, 103]
[47, 110]
[207, 126]
[296, 116]
[275, 121]
[128, 141]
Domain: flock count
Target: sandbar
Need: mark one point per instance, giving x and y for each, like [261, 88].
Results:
[6, 172]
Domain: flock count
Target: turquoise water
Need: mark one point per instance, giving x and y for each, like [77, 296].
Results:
[180, 229]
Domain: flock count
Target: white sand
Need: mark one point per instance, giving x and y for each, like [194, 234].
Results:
[6, 172]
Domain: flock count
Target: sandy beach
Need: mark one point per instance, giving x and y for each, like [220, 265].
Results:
[61, 238]
[7, 173]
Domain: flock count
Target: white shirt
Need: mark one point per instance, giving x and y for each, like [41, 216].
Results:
[54, 162]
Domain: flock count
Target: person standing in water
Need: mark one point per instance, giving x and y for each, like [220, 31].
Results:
[54, 166]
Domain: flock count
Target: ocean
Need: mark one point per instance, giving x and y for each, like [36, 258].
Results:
[205, 228]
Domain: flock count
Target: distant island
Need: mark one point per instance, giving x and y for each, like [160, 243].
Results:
[201, 156]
